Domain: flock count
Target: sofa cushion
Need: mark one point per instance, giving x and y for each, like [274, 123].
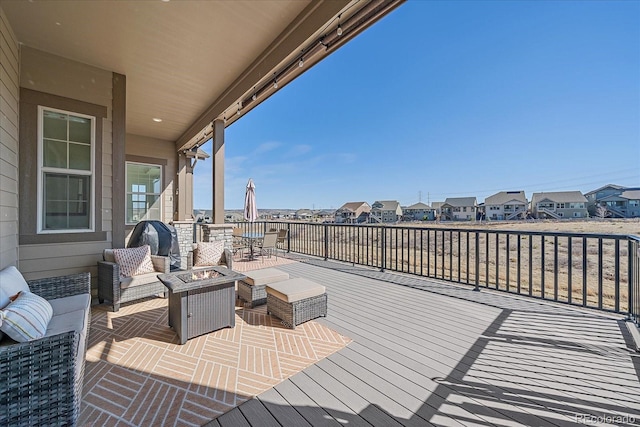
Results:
[209, 253]
[26, 318]
[70, 303]
[66, 322]
[141, 279]
[295, 289]
[76, 321]
[134, 261]
[11, 283]
[265, 276]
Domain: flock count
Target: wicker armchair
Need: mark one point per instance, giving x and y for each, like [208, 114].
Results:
[225, 260]
[41, 380]
[110, 284]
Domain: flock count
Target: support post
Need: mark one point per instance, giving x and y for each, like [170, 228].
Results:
[218, 172]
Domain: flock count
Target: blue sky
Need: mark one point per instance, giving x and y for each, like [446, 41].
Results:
[449, 99]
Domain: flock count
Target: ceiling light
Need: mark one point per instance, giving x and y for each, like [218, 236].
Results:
[156, 119]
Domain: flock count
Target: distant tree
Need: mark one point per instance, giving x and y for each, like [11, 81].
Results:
[602, 212]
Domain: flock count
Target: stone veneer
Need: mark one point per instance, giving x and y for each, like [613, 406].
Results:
[190, 232]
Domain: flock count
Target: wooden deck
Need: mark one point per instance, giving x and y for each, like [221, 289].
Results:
[431, 353]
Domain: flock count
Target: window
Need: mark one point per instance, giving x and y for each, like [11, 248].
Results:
[66, 143]
[143, 192]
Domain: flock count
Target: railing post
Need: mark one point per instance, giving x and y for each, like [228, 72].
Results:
[288, 237]
[326, 242]
[630, 278]
[477, 287]
[383, 265]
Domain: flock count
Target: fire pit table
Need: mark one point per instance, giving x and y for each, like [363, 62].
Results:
[201, 301]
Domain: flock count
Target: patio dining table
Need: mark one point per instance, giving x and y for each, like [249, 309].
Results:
[252, 238]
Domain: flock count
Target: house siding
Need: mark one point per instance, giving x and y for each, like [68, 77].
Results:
[76, 84]
[9, 124]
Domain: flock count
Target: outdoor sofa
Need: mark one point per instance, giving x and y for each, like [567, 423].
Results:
[41, 379]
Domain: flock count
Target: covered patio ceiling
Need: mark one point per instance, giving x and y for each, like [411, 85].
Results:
[191, 62]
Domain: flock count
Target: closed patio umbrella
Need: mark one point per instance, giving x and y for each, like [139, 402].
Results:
[250, 208]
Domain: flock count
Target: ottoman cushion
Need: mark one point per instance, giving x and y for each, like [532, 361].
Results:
[295, 289]
[265, 276]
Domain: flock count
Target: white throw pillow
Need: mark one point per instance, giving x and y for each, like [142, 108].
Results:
[134, 261]
[26, 318]
[209, 253]
[11, 283]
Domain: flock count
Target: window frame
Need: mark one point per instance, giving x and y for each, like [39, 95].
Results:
[43, 170]
[127, 192]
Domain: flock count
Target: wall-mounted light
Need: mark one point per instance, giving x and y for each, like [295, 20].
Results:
[339, 31]
[275, 83]
[301, 62]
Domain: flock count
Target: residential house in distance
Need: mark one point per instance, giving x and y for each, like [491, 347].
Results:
[459, 209]
[418, 212]
[324, 215]
[621, 202]
[385, 211]
[353, 213]
[506, 205]
[303, 214]
[437, 208]
[558, 205]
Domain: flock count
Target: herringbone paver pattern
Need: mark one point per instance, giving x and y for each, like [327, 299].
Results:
[137, 374]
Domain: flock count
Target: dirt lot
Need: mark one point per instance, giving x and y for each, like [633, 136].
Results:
[607, 226]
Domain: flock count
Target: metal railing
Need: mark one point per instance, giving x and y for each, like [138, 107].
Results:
[598, 271]
[634, 279]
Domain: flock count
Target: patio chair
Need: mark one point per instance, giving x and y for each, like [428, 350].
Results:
[268, 244]
[122, 277]
[207, 254]
[238, 243]
[283, 233]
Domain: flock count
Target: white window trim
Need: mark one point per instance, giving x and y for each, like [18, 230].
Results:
[42, 170]
[160, 198]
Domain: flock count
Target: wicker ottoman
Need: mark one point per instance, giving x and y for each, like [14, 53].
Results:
[296, 301]
[252, 289]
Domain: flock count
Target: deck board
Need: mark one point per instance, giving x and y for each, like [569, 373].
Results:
[426, 352]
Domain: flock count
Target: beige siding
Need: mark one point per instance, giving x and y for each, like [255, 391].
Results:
[163, 150]
[48, 73]
[9, 97]
[48, 260]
